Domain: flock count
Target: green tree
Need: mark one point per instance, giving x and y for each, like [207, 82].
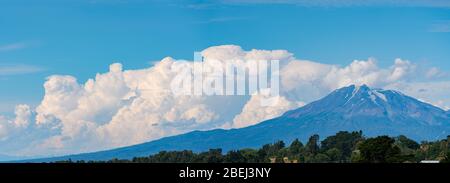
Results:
[356, 157]
[271, 150]
[334, 155]
[312, 146]
[321, 158]
[406, 142]
[345, 142]
[295, 147]
[211, 156]
[278, 145]
[234, 157]
[379, 150]
[251, 156]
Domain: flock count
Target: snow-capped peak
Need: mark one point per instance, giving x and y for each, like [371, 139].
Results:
[373, 94]
[363, 101]
[364, 90]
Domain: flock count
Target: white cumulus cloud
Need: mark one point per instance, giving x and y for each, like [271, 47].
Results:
[124, 107]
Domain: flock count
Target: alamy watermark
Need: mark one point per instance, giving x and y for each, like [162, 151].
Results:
[227, 77]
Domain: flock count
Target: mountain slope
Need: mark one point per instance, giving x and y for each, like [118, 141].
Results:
[374, 111]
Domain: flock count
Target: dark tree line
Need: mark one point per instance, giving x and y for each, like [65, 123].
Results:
[344, 147]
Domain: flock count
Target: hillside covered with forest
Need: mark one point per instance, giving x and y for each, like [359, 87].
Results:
[343, 147]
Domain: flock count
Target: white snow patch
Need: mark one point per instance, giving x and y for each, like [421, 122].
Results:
[355, 91]
[373, 97]
[380, 95]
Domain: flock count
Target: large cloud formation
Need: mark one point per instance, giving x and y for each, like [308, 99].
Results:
[125, 107]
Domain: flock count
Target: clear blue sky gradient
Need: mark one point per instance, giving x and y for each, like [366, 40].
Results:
[81, 38]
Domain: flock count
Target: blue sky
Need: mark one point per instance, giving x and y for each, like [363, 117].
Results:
[81, 38]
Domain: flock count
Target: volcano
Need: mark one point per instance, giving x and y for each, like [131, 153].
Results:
[353, 108]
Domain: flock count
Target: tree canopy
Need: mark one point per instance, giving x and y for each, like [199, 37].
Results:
[343, 147]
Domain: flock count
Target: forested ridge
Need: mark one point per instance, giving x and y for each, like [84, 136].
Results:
[343, 147]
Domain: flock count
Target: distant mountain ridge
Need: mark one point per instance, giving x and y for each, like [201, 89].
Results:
[352, 108]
